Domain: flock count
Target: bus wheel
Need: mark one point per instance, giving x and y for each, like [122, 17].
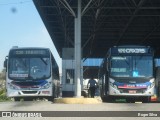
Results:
[16, 98]
[107, 99]
[51, 98]
[103, 99]
[146, 99]
[158, 81]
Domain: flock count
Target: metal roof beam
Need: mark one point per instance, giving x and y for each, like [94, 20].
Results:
[68, 7]
[134, 3]
[87, 41]
[111, 8]
[154, 29]
[85, 9]
[129, 15]
[64, 24]
[130, 20]
[85, 68]
[95, 25]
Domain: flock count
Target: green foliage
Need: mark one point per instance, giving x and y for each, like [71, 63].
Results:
[2, 91]
[3, 96]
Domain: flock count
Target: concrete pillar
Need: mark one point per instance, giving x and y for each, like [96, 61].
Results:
[78, 52]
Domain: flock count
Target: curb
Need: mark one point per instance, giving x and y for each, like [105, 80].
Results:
[77, 100]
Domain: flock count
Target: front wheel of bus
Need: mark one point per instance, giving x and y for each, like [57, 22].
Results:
[108, 98]
[50, 98]
[16, 98]
[104, 99]
[146, 99]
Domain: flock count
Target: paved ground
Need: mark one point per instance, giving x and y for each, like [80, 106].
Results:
[106, 108]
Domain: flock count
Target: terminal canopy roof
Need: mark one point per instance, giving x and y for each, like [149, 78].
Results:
[105, 23]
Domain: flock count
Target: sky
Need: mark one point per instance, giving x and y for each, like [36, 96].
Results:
[21, 25]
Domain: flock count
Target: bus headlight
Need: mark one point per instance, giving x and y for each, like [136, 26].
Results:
[111, 81]
[12, 86]
[152, 84]
[111, 84]
[115, 86]
[46, 86]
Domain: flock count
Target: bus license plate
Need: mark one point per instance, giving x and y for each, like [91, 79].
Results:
[132, 91]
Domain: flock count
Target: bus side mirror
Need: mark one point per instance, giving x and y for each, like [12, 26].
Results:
[107, 64]
[5, 62]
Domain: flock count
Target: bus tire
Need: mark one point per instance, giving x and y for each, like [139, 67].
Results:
[146, 99]
[103, 99]
[158, 81]
[158, 89]
[16, 98]
[107, 99]
[50, 98]
[101, 94]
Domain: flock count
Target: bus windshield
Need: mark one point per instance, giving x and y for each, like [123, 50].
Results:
[29, 68]
[131, 66]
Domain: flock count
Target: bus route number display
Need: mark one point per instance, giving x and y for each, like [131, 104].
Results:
[30, 52]
[131, 50]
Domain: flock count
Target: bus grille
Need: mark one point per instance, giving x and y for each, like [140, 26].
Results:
[137, 91]
[29, 92]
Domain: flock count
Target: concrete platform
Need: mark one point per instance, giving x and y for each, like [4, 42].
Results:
[77, 100]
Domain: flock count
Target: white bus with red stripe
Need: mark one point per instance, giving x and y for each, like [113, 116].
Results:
[31, 73]
[127, 72]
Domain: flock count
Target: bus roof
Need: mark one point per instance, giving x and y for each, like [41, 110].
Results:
[16, 47]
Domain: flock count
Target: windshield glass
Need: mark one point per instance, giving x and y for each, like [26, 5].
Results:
[132, 66]
[29, 68]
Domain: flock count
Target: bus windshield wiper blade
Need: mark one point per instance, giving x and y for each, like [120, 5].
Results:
[44, 61]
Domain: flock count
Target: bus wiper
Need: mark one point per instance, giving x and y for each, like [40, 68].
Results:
[137, 61]
[135, 64]
[125, 60]
[24, 64]
[28, 80]
[44, 61]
